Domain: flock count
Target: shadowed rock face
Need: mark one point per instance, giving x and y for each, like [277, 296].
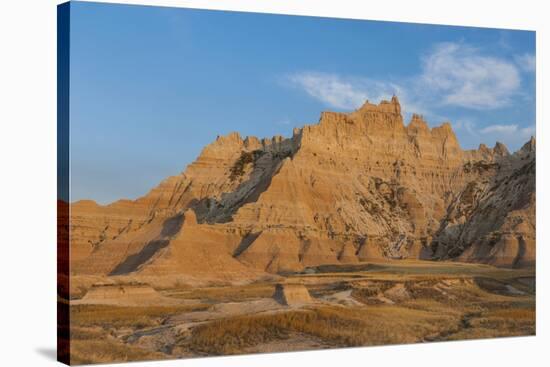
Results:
[493, 220]
[291, 294]
[354, 187]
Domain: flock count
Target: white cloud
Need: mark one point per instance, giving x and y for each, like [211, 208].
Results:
[510, 130]
[338, 91]
[512, 135]
[349, 93]
[527, 132]
[330, 89]
[526, 62]
[467, 125]
[453, 74]
[461, 76]
[284, 121]
[501, 129]
[471, 134]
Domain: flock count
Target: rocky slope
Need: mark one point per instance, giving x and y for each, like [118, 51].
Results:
[493, 220]
[354, 187]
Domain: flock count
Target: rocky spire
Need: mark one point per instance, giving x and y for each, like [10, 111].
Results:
[396, 104]
[528, 149]
[418, 124]
[530, 146]
[384, 106]
[500, 150]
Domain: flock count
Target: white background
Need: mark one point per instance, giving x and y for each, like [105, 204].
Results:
[28, 183]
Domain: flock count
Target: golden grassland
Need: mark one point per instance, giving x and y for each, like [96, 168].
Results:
[469, 303]
[117, 316]
[93, 331]
[224, 293]
[108, 349]
[336, 326]
[378, 325]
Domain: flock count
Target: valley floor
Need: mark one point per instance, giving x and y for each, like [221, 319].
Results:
[354, 305]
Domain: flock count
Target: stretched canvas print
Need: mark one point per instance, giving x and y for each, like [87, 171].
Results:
[234, 183]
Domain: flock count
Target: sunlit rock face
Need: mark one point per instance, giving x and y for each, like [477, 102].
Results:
[356, 186]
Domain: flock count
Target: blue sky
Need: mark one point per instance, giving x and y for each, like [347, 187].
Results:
[151, 86]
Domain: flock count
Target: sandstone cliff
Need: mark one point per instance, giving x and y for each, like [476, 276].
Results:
[354, 187]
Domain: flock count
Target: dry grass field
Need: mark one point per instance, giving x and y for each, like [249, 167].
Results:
[359, 305]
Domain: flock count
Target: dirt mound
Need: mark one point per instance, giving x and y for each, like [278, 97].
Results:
[291, 294]
[397, 293]
[124, 295]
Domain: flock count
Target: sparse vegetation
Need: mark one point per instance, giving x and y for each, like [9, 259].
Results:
[226, 293]
[93, 328]
[108, 349]
[237, 170]
[336, 326]
[438, 301]
[115, 316]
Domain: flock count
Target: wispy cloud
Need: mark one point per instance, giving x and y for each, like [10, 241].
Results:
[513, 135]
[464, 77]
[527, 132]
[330, 89]
[339, 91]
[350, 92]
[503, 129]
[453, 74]
[512, 129]
[284, 121]
[467, 125]
[526, 62]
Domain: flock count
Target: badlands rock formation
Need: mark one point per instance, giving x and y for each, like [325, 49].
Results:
[354, 187]
[291, 294]
[124, 295]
